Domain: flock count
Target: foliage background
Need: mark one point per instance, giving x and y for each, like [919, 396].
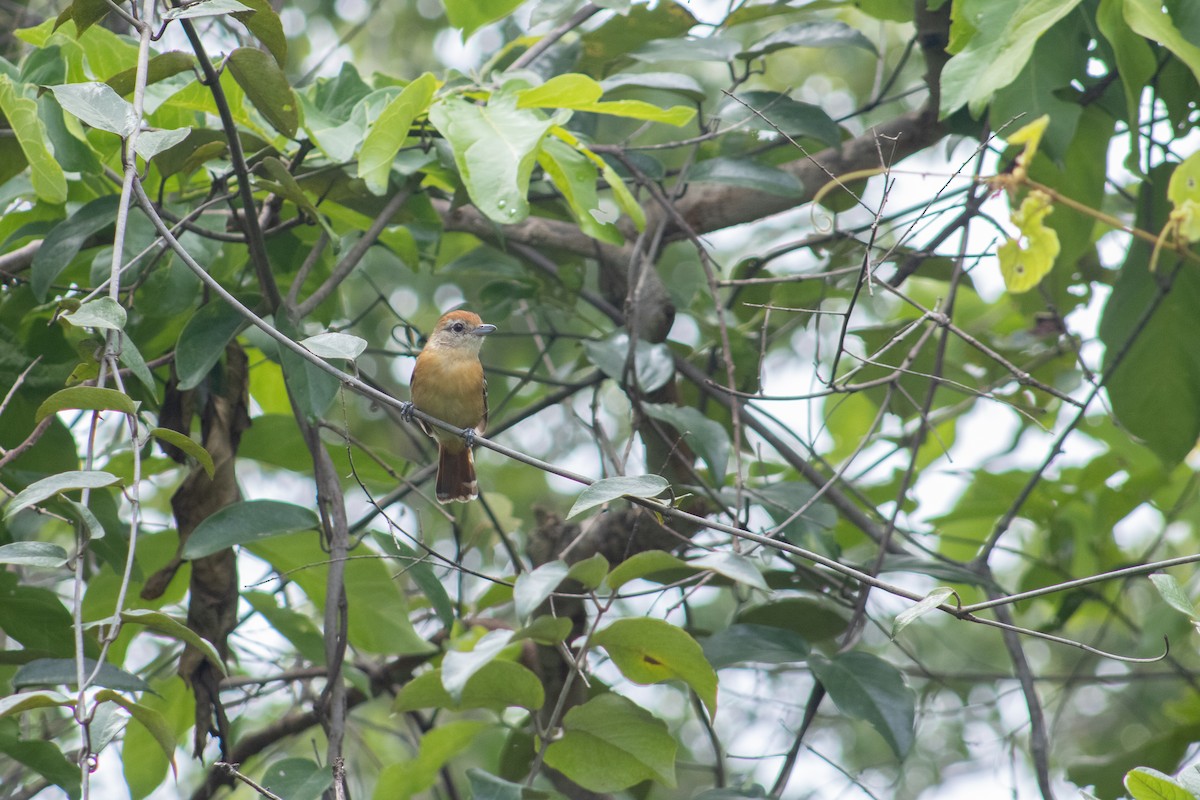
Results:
[927, 526]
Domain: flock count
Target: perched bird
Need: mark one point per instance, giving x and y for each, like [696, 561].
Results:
[448, 383]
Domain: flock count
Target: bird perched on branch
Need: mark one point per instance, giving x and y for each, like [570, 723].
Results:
[448, 384]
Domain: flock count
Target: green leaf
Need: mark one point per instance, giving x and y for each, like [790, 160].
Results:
[421, 572]
[150, 719]
[748, 174]
[489, 787]
[169, 626]
[590, 572]
[653, 364]
[247, 522]
[406, 778]
[33, 554]
[778, 113]
[49, 181]
[676, 82]
[531, 588]
[641, 565]
[159, 68]
[335, 345]
[1003, 40]
[188, 445]
[90, 398]
[574, 175]
[294, 626]
[151, 143]
[131, 357]
[44, 758]
[1170, 591]
[471, 15]
[610, 744]
[1151, 20]
[1144, 783]
[545, 629]
[868, 688]
[46, 488]
[606, 490]
[649, 651]
[266, 26]
[688, 50]
[733, 566]
[625, 199]
[62, 672]
[205, 8]
[266, 87]
[495, 148]
[297, 779]
[639, 109]
[103, 312]
[814, 619]
[26, 701]
[928, 603]
[98, 105]
[66, 239]
[497, 685]
[808, 34]
[707, 437]
[203, 340]
[459, 665]
[390, 129]
[144, 760]
[763, 644]
[570, 90]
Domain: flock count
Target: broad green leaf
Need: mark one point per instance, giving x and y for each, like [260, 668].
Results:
[649, 650]
[610, 744]
[159, 68]
[36, 619]
[44, 758]
[297, 779]
[418, 568]
[49, 181]
[62, 672]
[103, 312]
[733, 566]
[149, 718]
[459, 665]
[814, 619]
[188, 445]
[1025, 261]
[1004, 38]
[545, 630]
[809, 34]
[169, 626]
[495, 148]
[97, 105]
[131, 357]
[1170, 591]
[741, 643]
[294, 626]
[1144, 783]
[144, 761]
[266, 26]
[205, 8]
[868, 688]
[406, 778]
[311, 388]
[676, 82]
[641, 565]
[202, 341]
[33, 554]
[247, 522]
[64, 242]
[151, 143]
[570, 90]
[747, 174]
[590, 572]
[653, 364]
[779, 113]
[639, 109]
[625, 199]
[1150, 19]
[471, 15]
[574, 175]
[489, 787]
[689, 50]
[46, 488]
[287, 186]
[606, 490]
[497, 685]
[335, 345]
[89, 398]
[707, 437]
[266, 87]
[928, 603]
[26, 701]
[531, 588]
[390, 129]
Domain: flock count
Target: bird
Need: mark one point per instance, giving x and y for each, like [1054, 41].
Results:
[448, 384]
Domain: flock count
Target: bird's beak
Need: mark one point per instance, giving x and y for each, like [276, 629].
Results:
[484, 330]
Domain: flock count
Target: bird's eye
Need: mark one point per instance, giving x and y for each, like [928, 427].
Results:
[457, 327]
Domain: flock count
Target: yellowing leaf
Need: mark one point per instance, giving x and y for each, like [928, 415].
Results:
[1031, 136]
[1023, 265]
[1184, 193]
[648, 650]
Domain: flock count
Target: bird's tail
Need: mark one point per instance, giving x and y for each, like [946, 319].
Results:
[456, 476]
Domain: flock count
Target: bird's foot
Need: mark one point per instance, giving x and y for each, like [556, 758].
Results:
[406, 411]
[469, 437]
